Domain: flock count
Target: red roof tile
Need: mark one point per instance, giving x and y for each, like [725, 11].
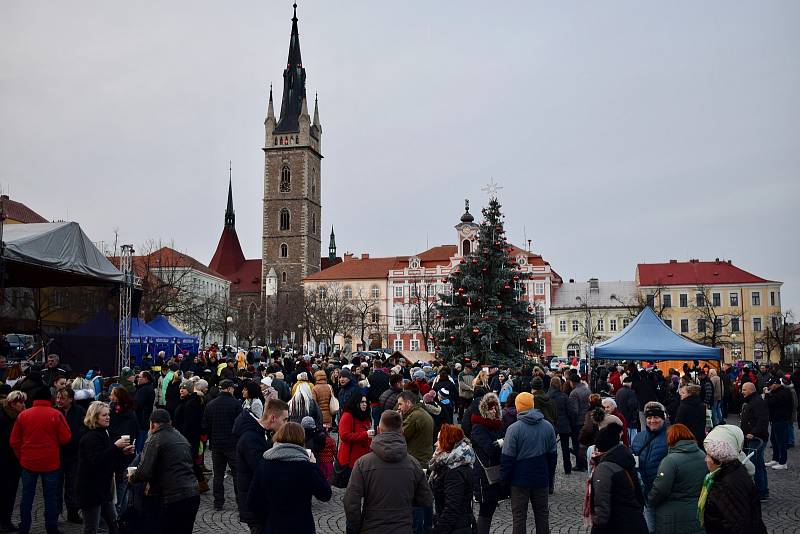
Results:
[247, 279]
[356, 269]
[694, 273]
[17, 211]
[228, 257]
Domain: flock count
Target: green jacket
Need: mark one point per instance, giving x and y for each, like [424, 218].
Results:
[543, 403]
[676, 489]
[418, 431]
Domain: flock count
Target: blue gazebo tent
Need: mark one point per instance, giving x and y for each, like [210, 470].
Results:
[144, 339]
[647, 338]
[180, 340]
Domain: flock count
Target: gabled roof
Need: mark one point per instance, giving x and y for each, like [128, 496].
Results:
[19, 212]
[694, 273]
[624, 291]
[167, 258]
[247, 279]
[356, 269]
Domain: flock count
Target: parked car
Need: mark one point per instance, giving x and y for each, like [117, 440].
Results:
[557, 363]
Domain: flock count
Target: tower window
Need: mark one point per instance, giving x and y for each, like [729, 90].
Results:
[283, 276]
[313, 223]
[466, 246]
[284, 251]
[286, 179]
[284, 219]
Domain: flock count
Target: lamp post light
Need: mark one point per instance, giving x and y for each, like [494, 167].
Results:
[228, 322]
[302, 338]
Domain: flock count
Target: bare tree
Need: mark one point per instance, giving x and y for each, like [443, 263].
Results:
[328, 313]
[364, 306]
[712, 325]
[248, 322]
[201, 316]
[778, 334]
[653, 299]
[164, 278]
[425, 315]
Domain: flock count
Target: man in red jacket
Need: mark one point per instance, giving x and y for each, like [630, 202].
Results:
[38, 435]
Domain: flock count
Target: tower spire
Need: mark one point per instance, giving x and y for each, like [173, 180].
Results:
[270, 108]
[294, 84]
[316, 110]
[230, 217]
[332, 247]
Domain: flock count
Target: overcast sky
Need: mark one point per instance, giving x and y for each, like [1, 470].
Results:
[621, 132]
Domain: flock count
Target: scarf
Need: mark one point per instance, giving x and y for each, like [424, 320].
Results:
[708, 483]
[491, 424]
[286, 452]
[462, 454]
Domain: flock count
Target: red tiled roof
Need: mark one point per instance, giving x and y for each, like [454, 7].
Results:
[356, 269]
[247, 279]
[325, 262]
[437, 255]
[228, 257]
[19, 212]
[694, 273]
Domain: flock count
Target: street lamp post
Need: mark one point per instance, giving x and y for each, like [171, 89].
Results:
[228, 322]
[302, 338]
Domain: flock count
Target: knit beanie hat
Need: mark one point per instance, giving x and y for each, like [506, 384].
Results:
[524, 402]
[308, 422]
[537, 383]
[608, 436]
[724, 443]
[609, 420]
[418, 375]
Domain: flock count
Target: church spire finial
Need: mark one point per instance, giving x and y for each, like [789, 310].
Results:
[332, 247]
[230, 216]
[294, 18]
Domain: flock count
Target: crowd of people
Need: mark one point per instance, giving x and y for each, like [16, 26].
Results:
[412, 445]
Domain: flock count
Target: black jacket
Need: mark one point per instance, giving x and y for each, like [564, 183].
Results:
[378, 383]
[284, 392]
[692, 413]
[755, 417]
[452, 497]
[485, 433]
[780, 405]
[733, 504]
[145, 398]
[189, 420]
[628, 405]
[617, 500]
[218, 421]
[167, 465]
[563, 425]
[74, 417]
[8, 459]
[251, 444]
[97, 461]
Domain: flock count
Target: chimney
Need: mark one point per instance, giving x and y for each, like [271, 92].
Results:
[364, 256]
[717, 260]
[673, 261]
[571, 280]
[348, 256]
[594, 285]
[729, 262]
[3, 197]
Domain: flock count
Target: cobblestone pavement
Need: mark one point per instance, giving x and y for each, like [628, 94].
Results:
[781, 512]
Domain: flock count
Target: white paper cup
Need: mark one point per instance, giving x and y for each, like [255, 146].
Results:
[126, 437]
[131, 470]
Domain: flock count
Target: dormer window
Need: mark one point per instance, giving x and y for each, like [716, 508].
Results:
[414, 263]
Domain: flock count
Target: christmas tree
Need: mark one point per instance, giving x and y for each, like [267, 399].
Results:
[484, 316]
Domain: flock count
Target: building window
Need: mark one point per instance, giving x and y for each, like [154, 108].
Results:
[398, 317]
[756, 296]
[650, 300]
[734, 324]
[701, 326]
[414, 317]
[717, 325]
[375, 316]
[734, 299]
[668, 322]
[284, 250]
[684, 326]
[398, 344]
[466, 247]
[322, 293]
[431, 347]
[538, 288]
[700, 300]
[612, 325]
[773, 298]
[574, 325]
[283, 276]
[716, 300]
[756, 324]
[625, 323]
[431, 291]
[562, 326]
[601, 325]
[775, 323]
[415, 344]
[666, 300]
[286, 179]
[684, 300]
[413, 289]
[313, 223]
[375, 291]
[348, 292]
[398, 292]
[284, 219]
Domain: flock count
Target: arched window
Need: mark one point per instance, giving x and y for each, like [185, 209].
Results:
[466, 247]
[283, 276]
[284, 219]
[313, 181]
[286, 179]
[398, 317]
[284, 251]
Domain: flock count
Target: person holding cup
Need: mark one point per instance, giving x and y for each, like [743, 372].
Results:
[98, 457]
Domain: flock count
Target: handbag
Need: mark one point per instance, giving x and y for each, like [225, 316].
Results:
[333, 404]
[492, 472]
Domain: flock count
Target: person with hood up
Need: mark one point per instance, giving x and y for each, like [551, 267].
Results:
[281, 491]
[614, 500]
[528, 464]
[729, 500]
[692, 411]
[678, 483]
[451, 481]
[386, 484]
[487, 441]
[322, 393]
[651, 447]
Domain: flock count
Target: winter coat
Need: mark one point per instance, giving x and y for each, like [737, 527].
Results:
[628, 405]
[388, 399]
[37, 437]
[8, 460]
[578, 405]
[189, 420]
[692, 413]
[651, 448]
[509, 417]
[418, 431]
[384, 486]
[562, 425]
[466, 421]
[543, 403]
[74, 417]
[617, 501]
[354, 442]
[97, 461]
[123, 424]
[452, 497]
[733, 504]
[166, 464]
[716, 382]
[145, 398]
[755, 417]
[677, 488]
[347, 391]
[251, 445]
[280, 495]
[529, 452]
[378, 383]
[284, 393]
[485, 433]
[218, 419]
[465, 389]
[322, 393]
[780, 405]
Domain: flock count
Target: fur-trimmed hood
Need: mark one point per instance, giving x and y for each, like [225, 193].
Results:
[483, 407]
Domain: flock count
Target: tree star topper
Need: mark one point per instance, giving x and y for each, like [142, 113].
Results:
[492, 189]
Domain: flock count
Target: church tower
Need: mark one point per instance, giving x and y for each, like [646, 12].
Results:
[292, 192]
